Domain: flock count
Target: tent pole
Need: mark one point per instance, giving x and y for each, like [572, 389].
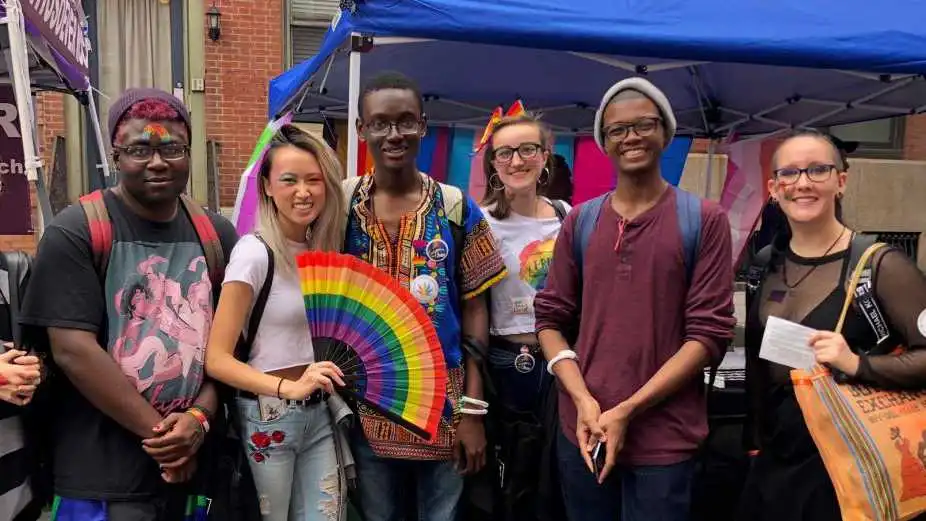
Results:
[353, 99]
[19, 72]
[95, 119]
[708, 181]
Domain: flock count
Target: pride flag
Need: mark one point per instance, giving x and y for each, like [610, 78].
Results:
[745, 188]
[244, 214]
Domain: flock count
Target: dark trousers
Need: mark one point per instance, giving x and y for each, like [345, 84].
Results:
[630, 493]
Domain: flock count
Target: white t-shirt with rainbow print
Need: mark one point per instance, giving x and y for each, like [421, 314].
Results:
[526, 244]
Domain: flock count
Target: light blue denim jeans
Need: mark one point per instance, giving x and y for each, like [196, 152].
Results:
[294, 462]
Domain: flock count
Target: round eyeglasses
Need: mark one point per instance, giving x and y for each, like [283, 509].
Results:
[504, 155]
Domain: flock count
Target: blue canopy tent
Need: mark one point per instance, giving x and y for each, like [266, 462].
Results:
[751, 67]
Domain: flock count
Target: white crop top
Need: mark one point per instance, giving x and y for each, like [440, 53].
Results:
[526, 244]
[283, 339]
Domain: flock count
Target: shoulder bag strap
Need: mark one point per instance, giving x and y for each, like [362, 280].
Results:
[260, 303]
[853, 281]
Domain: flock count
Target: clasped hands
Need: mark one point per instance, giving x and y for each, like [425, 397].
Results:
[609, 428]
[20, 375]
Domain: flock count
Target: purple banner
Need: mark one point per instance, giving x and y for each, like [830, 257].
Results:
[15, 206]
[60, 23]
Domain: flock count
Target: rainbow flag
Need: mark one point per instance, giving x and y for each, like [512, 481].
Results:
[244, 216]
[515, 109]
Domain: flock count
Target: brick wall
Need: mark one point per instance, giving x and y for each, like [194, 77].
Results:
[238, 68]
[914, 145]
[49, 113]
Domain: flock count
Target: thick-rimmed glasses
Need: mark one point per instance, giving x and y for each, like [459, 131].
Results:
[642, 127]
[382, 128]
[504, 155]
[815, 174]
[144, 153]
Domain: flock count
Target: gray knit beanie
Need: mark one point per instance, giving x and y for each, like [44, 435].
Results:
[132, 96]
[649, 90]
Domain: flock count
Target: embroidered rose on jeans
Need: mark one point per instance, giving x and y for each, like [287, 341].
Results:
[261, 441]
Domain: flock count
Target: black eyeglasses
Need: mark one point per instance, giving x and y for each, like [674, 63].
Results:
[642, 127]
[144, 153]
[382, 128]
[815, 173]
[504, 155]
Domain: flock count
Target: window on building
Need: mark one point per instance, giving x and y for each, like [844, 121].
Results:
[907, 242]
[308, 22]
[879, 139]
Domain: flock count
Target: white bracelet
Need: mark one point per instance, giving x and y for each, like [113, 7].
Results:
[562, 355]
[474, 412]
[473, 401]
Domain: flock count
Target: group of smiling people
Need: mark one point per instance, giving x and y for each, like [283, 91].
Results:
[529, 299]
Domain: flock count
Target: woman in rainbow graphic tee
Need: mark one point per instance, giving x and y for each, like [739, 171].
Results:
[517, 166]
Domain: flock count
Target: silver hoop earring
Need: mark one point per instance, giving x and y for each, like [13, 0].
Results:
[495, 183]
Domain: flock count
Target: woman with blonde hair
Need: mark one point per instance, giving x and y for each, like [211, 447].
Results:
[281, 391]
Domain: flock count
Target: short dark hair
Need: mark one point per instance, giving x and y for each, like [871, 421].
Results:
[390, 80]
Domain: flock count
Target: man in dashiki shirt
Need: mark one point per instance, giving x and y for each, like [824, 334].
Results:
[399, 221]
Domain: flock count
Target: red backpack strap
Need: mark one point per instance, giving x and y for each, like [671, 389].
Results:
[208, 238]
[101, 229]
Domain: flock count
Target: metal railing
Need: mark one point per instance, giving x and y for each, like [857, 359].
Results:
[907, 242]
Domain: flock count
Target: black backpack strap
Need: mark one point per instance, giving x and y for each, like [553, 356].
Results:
[857, 246]
[18, 264]
[243, 351]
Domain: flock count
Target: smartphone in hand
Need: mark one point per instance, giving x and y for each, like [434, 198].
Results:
[598, 458]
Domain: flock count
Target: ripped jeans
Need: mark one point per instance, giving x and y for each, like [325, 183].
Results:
[293, 461]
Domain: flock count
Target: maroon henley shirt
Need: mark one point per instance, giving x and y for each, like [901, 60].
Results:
[636, 312]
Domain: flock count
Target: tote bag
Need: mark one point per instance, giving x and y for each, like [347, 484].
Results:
[872, 441]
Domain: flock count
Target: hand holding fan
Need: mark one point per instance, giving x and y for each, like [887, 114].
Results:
[379, 335]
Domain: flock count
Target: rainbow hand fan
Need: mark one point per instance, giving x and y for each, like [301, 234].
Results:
[379, 335]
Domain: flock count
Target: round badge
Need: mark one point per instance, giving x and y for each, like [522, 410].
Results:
[437, 250]
[921, 322]
[424, 288]
[524, 362]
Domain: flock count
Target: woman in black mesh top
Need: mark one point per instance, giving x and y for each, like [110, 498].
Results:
[804, 282]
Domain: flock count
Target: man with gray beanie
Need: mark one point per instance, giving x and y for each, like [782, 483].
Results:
[121, 296]
[647, 270]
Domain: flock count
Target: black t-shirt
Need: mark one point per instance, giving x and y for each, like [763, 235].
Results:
[152, 314]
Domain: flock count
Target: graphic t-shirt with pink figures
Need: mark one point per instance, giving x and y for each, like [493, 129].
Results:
[151, 312]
